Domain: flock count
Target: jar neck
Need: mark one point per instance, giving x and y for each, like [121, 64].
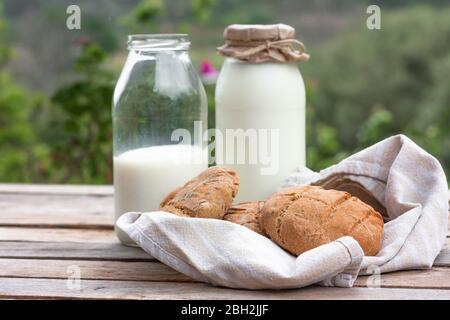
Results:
[153, 43]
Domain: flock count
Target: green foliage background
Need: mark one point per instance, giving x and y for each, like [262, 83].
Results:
[362, 86]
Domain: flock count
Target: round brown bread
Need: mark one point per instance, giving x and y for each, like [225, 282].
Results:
[302, 218]
[208, 195]
[246, 214]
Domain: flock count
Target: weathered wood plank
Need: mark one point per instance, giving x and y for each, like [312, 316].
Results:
[436, 278]
[84, 212]
[72, 250]
[109, 251]
[78, 206]
[63, 189]
[97, 270]
[18, 188]
[42, 210]
[58, 210]
[443, 259]
[57, 235]
[90, 250]
[102, 289]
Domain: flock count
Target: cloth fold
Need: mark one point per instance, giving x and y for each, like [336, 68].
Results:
[223, 253]
[408, 183]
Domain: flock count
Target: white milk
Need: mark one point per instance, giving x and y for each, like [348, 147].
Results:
[263, 96]
[143, 177]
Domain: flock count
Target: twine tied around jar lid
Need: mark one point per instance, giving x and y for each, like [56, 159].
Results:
[260, 43]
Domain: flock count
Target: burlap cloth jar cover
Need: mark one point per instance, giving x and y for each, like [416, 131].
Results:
[260, 43]
[396, 176]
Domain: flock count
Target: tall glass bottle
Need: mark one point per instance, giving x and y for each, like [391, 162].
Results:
[159, 115]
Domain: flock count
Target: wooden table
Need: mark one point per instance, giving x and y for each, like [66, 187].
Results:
[50, 235]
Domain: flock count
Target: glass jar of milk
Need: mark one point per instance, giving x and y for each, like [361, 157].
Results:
[260, 107]
[159, 115]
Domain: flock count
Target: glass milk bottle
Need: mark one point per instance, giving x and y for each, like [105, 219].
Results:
[159, 112]
[260, 107]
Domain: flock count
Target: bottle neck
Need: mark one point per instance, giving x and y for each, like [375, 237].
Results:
[154, 43]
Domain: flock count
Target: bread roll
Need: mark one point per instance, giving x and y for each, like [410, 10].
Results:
[208, 195]
[246, 214]
[303, 218]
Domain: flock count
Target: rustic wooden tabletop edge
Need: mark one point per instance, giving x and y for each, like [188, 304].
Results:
[60, 189]
[413, 284]
[67, 189]
[94, 289]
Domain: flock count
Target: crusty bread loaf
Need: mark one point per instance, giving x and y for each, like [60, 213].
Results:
[246, 214]
[208, 195]
[302, 218]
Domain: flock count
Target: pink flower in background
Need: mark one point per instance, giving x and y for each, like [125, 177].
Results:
[207, 68]
[208, 73]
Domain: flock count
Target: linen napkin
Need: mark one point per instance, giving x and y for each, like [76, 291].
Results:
[396, 176]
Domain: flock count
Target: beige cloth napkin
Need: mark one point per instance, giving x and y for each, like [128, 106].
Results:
[407, 183]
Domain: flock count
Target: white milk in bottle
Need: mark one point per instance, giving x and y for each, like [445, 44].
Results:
[144, 176]
[260, 107]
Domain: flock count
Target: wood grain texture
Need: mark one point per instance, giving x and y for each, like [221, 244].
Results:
[113, 251]
[99, 289]
[436, 278]
[46, 229]
[57, 235]
[98, 270]
[42, 210]
[67, 206]
[11, 188]
[63, 189]
[443, 259]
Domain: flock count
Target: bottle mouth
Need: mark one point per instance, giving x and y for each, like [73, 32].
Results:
[158, 42]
